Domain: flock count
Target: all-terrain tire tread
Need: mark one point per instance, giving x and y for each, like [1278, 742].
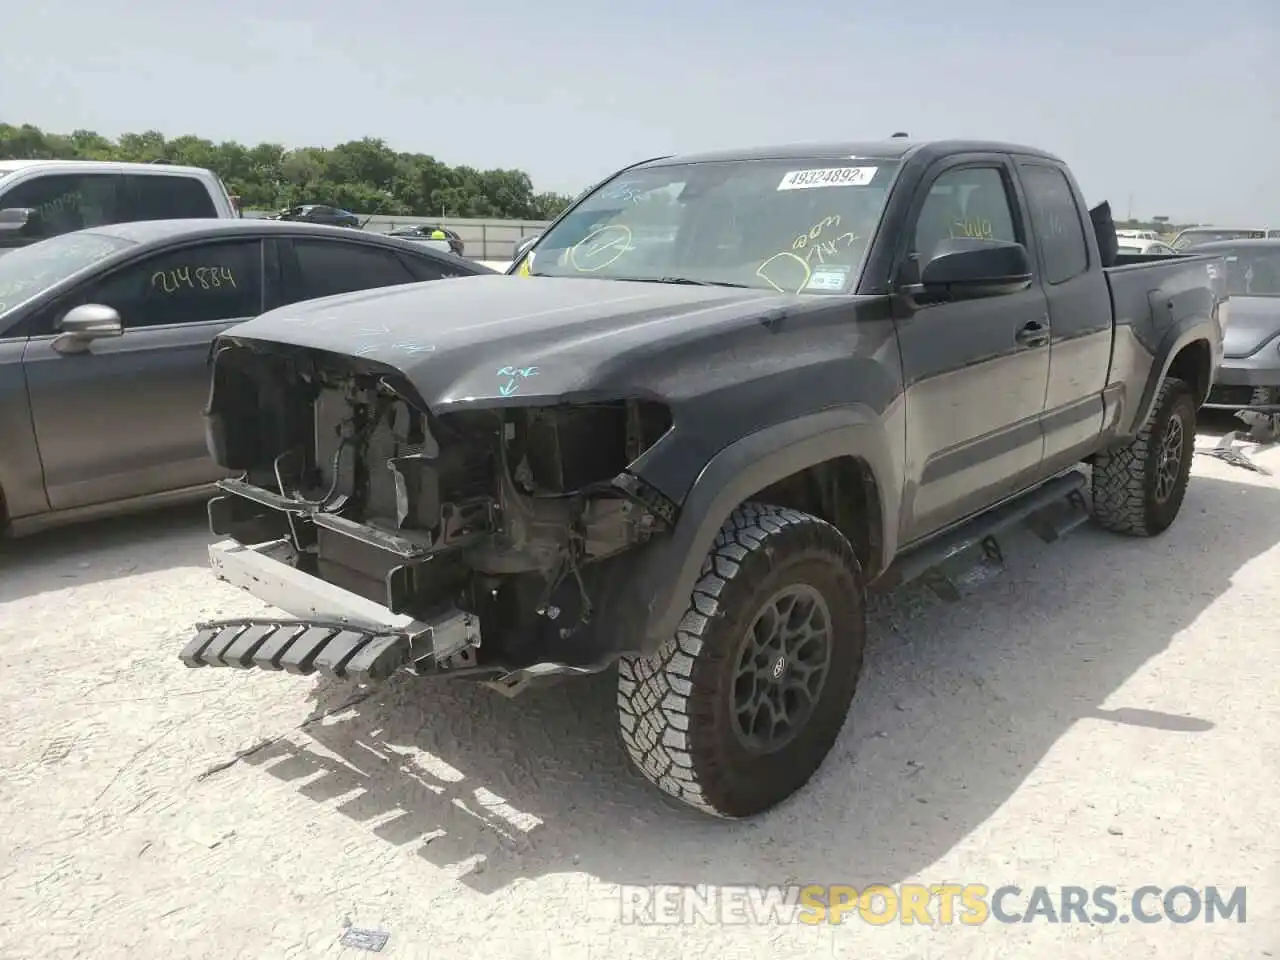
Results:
[1120, 476]
[653, 692]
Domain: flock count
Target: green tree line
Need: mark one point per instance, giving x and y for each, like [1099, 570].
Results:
[365, 176]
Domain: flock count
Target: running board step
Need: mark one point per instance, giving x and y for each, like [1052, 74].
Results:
[962, 574]
[338, 650]
[957, 561]
[1059, 518]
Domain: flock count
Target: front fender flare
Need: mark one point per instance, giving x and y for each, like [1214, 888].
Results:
[664, 573]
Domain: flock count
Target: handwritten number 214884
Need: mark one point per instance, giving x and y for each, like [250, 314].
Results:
[194, 278]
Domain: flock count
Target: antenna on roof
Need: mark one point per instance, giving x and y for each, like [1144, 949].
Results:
[900, 136]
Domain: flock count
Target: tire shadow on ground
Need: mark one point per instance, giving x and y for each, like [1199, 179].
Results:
[956, 706]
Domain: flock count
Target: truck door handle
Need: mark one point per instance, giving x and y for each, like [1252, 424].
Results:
[1034, 334]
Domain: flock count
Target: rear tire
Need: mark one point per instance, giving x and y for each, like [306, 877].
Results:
[775, 628]
[1138, 489]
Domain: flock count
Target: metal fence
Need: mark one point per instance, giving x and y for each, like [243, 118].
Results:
[482, 239]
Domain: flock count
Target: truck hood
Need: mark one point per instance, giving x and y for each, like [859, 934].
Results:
[1252, 321]
[488, 338]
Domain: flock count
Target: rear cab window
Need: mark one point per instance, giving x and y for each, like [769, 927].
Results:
[1056, 220]
[152, 196]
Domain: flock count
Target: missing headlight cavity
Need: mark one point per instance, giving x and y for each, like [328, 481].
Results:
[566, 449]
[449, 475]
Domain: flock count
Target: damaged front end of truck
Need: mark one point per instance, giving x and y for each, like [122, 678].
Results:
[476, 540]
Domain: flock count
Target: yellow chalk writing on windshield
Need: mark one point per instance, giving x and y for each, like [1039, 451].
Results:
[814, 232]
[825, 248]
[782, 258]
[816, 245]
[193, 278]
[597, 244]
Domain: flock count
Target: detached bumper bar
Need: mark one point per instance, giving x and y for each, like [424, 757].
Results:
[337, 633]
[300, 647]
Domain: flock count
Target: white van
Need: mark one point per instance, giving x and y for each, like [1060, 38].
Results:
[43, 198]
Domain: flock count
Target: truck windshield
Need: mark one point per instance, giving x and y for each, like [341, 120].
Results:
[1252, 271]
[29, 271]
[795, 226]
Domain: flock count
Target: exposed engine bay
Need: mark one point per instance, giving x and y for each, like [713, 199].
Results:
[509, 513]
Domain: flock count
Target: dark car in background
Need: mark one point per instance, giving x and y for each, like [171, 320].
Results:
[105, 338]
[439, 237]
[1197, 236]
[318, 213]
[1250, 371]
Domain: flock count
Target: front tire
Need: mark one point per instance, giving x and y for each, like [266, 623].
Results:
[1138, 489]
[739, 709]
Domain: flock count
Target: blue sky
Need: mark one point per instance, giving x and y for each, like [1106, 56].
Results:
[1173, 104]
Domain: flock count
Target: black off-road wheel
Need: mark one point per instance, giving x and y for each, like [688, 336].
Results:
[1138, 489]
[738, 710]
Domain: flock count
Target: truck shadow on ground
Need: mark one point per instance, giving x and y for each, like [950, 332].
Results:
[102, 550]
[957, 705]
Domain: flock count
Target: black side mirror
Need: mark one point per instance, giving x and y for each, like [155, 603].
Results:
[19, 220]
[967, 268]
[522, 246]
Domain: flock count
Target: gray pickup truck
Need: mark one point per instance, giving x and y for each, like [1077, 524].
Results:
[719, 399]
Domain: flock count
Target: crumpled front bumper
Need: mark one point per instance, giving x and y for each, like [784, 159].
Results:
[337, 633]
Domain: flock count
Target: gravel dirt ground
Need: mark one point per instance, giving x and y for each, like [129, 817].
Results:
[1103, 714]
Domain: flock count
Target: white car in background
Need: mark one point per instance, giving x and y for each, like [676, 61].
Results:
[1144, 247]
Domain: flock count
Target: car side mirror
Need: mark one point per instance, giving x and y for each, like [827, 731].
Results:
[19, 220]
[522, 246]
[84, 324]
[968, 268]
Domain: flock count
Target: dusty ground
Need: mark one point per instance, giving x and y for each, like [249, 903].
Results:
[1105, 714]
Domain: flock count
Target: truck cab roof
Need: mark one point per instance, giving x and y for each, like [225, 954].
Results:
[895, 148]
[100, 166]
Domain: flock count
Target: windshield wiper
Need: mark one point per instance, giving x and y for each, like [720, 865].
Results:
[685, 280]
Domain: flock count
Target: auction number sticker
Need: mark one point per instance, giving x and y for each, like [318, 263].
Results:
[828, 277]
[828, 177]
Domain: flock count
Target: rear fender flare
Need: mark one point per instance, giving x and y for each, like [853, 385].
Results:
[666, 571]
[1171, 344]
